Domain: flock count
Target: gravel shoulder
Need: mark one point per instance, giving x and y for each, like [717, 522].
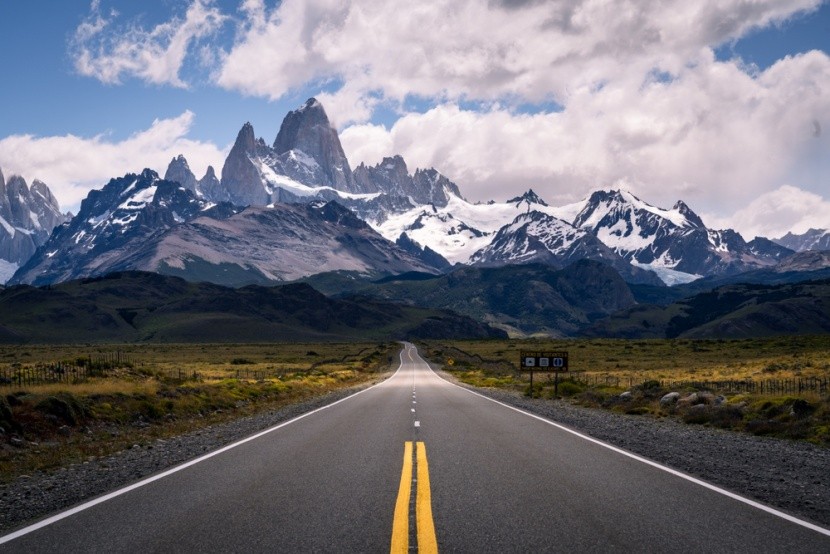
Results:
[787, 475]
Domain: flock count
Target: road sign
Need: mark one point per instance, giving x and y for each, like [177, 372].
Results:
[544, 361]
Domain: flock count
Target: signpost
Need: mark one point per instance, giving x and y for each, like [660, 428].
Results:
[545, 362]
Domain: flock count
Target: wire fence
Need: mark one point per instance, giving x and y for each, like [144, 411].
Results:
[75, 371]
[795, 385]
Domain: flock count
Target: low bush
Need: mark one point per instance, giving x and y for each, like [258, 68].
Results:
[64, 406]
[570, 388]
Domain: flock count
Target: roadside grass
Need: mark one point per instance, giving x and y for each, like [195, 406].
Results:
[155, 395]
[634, 377]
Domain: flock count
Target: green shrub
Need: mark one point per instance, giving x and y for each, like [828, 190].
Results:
[569, 388]
[650, 385]
[63, 406]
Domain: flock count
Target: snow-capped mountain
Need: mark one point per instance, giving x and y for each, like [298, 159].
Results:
[537, 237]
[197, 227]
[27, 217]
[283, 242]
[307, 163]
[675, 243]
[145, 223]
[814, 239]
[110, 226]
[458, 229]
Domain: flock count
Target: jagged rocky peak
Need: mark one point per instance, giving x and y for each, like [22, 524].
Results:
[530, 198]
[683, 209]
[604, 208]
[394, 165]
[433, 187]
[40, 189]
[210, 180]
[179, 171]
[27, 208]
[245, 139]
[20, 200]
[307, 132]
[4, 201]
[390, 176]
[27, 218]
[241, 182]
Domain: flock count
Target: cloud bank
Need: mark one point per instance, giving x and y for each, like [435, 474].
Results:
[503, 95]
[72, 165]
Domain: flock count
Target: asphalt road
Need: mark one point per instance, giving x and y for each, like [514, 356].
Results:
[500, 481]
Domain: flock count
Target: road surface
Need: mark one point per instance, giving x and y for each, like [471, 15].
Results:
[418, 464]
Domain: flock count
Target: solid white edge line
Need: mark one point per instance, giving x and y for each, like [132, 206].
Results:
[118, 492]
[652, 463]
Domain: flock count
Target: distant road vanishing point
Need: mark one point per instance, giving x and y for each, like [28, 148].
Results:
[419, 464]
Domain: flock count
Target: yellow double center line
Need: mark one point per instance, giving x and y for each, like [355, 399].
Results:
[423, 504]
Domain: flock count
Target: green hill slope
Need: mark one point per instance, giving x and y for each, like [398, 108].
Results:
[137, 306]
[732, 311]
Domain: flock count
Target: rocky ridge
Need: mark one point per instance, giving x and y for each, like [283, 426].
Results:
[813, 239]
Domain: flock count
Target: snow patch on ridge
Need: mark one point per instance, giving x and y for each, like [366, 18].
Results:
[458, 230]
[7, 226]
[621, 239]
[7, 269]
[277, 181]
[139, 199]
[669, 276]
[672, 215]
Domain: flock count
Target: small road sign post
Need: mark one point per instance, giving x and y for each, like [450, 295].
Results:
[544, 362]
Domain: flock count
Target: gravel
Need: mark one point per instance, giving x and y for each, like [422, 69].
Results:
[788, 475]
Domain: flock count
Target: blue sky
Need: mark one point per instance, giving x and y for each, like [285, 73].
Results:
[500, 96]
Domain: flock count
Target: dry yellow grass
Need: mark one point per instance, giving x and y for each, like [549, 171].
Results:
[148, 390]
[677, 360]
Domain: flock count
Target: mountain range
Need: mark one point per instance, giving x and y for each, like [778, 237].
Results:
[294, 207]
[295, 210]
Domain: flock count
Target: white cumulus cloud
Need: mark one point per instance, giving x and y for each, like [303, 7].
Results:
[108, 53]
[72, 165]
[470, 49]
[642, 102]
[775, 213]
[713, 135]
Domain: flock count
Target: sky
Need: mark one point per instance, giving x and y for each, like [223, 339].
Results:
[724, 104]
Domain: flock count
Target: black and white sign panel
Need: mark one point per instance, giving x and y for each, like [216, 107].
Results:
[544, 361]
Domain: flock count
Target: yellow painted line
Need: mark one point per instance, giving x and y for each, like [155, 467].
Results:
[425, 527]
[400, 524]
[427, 543]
